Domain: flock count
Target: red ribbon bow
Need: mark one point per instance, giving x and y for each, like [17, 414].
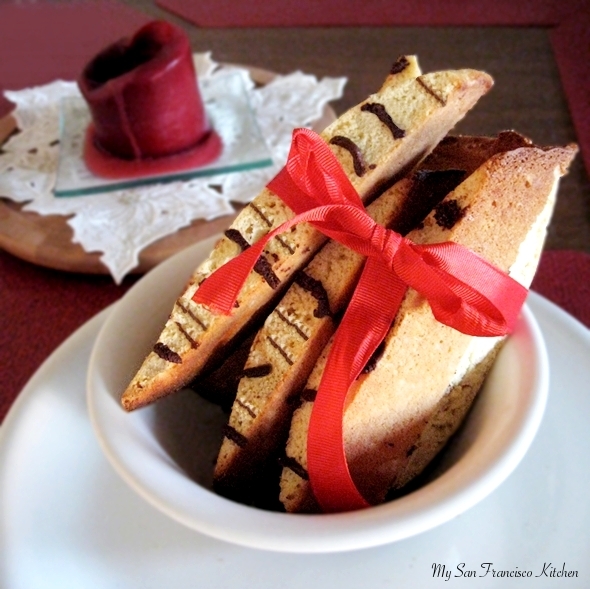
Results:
[463, 290]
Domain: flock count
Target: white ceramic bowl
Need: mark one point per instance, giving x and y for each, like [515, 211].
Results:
[165, 452]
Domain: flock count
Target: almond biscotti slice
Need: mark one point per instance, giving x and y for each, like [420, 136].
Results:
[287, 346]
[426, 375]
[375, 141]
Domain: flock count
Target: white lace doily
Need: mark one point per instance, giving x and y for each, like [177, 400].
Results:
[122, 223]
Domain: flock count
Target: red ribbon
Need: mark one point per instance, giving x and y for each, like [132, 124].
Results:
[464, 291]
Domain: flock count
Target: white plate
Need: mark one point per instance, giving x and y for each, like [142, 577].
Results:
[163, 450]
[68, 521]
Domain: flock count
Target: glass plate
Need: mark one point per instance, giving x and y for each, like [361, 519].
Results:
[229, 110]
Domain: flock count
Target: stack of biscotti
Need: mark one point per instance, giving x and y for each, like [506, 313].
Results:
[375, 142]
[422, 382]
[289, 343]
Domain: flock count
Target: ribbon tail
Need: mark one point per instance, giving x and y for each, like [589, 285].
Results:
[220, 290]
[356, 340]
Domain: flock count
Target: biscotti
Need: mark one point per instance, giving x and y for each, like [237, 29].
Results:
[289, 343]
[374, 142]
[425, 376]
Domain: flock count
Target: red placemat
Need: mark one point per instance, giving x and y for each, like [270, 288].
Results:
[39, 309]
[278, 13]
[569, 21]
[41, 42]
[571, 45]
[564, 278]
[45, 41]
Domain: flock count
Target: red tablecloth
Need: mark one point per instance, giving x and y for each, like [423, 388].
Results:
[45, 41]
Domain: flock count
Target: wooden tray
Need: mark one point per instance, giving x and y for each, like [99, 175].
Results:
[46, 240]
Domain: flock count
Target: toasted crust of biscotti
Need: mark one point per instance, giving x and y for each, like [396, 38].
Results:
[404, 410]
[423, 109]
[288, 345]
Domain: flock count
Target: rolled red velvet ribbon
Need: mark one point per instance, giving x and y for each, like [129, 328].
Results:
[464, 291]
[145, 102]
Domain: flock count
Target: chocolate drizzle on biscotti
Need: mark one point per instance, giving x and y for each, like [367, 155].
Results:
[280, 350]
[235, 236]
[257, 210]
[166, 353]
[231, 433]
[268, 223]
[308, 395]
[257, 371]
[400, 65]
[292, 464]
[188, 312]
[428, 189]
[447, 213]
[375, 357]
[246, 408]
[264, 268]
[295, 400]
[262, 265]
[358, 161]
[291, 324]
[379, 111]
[187, 335]
[430, 91]
[316, 289]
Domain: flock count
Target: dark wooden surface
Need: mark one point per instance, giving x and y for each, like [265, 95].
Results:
[528, 94]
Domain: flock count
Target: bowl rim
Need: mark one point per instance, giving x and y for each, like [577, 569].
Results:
[456, 490]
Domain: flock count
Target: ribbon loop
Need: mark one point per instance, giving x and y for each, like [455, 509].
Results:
[312, 176]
